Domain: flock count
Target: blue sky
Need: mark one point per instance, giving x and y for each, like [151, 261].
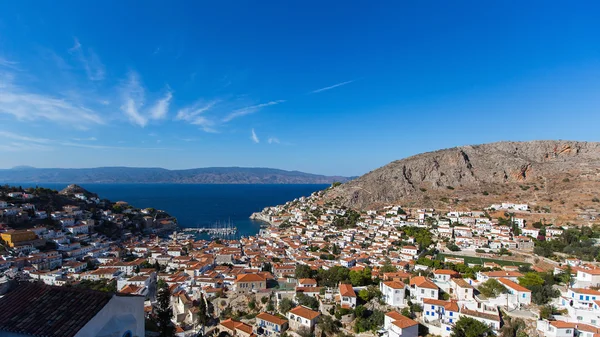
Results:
[322, 87]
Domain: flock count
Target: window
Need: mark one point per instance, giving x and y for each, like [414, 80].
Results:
[568, 331]
[451, 313]
[433, 307]
[524, 295]
[581, 297]
[422, 291]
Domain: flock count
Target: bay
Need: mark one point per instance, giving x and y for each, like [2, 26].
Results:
[198, 205]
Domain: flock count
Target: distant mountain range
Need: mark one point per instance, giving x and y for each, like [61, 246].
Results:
[209, 175]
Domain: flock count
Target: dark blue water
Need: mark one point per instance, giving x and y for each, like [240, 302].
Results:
[198, 205]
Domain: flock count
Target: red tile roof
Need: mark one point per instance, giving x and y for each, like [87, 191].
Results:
[347, 290]
[305, 312]
[271, 318]
[423, 282]
[513, 285]
[400, 320]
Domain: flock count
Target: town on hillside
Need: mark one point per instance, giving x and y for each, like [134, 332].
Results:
[315, 269]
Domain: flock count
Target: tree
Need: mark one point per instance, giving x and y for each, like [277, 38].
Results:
[566, 276]
[491, 288]
[307, 301]
[530, 280]
[388, 267]
[360, 278]
[203, 316]
[546, 311]
[470, 327]
[369, 293]
[327, 325]
[285, 305]
[164, 312]
[303, 271]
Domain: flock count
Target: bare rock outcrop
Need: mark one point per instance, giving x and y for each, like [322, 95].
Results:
[535, 169]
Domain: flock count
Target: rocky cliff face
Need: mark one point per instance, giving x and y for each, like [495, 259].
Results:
[538, 170]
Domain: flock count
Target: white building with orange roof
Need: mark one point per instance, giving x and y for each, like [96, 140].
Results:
[270, 325]
[393, 293]
[246, 283]
[422, 287]
[583, 297]
[587, 277]
[556, 328]
[347, 296]
[511, 275]
[517, 294]
[461, 289]
[396, 325]
[301, 316]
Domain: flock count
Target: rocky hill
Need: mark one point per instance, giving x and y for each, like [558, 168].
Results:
[209, 175]
[552, 175]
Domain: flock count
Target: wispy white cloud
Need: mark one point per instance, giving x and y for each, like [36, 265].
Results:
[90, 61]
[194, 115]
[15, 141]
[25, 105]
[249, 110]
[273, 140]
[17, 136]
[133, 100]
[133, 96]
[89, 139]
[254, 137]
[161, 108]
[331, 87]
[9, 64]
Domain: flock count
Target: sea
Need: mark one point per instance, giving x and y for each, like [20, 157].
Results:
[200, 205]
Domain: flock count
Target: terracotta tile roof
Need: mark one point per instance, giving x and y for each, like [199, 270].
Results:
[461, 283]
[513, 285]
[305, 312]
[347, 290]
[422, 282]
[587, 328]
[445, 272]
[307, 281]
[394, 284]
[562, 325]
[271, 318]
[400, 320]
[585, 291]
[41, 310]
[250, 278]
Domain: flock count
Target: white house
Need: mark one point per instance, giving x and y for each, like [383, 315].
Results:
[556, 328]
[588, 277]
[582, 297]
[302, 317]
[393, 292]
[461, 289]
[517, 294]
[422, 287]
[444, 275]
[396, 325]
[347, 296]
